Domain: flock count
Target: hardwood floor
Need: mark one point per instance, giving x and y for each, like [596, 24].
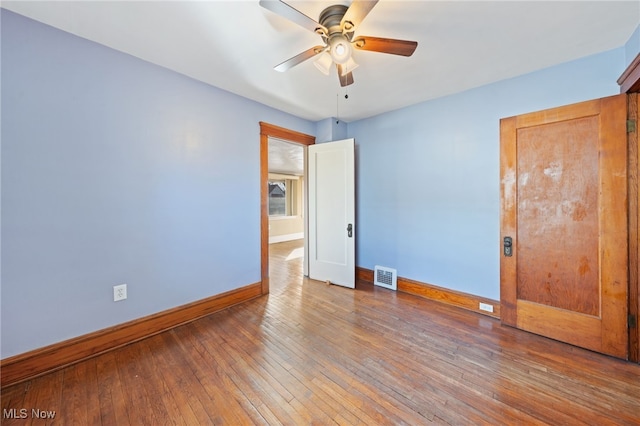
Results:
[311, 353]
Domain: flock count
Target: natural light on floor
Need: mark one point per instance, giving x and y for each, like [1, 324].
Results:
[296, 253]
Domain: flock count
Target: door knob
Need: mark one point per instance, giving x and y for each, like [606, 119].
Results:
[350, 230]
[507, 243]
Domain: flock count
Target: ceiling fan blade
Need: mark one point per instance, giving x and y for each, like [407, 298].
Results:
[385, 45]
[292, 14]
[358, 10]
[345, 80]
[301, 57]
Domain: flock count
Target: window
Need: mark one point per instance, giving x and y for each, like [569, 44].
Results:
[278, 198]
[284, 198]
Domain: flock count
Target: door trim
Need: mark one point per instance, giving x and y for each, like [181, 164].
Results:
[266, 131]
[629, 81]
[633, 159]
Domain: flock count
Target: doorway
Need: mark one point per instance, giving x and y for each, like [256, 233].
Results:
[270, 132]
[287, 216]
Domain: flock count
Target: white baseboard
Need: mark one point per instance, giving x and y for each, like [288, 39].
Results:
[286, 237]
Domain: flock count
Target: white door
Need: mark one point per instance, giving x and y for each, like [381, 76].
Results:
[332, 212]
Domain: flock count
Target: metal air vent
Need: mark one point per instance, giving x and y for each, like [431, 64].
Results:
[385, 277]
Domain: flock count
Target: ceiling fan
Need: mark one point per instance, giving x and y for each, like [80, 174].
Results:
[337, 25]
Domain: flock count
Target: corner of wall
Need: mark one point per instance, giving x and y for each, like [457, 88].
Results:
[330, 129]
[339, 129]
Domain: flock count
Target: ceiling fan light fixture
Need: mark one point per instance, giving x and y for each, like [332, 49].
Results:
[340, 49]
[324, 62]
[349, 66]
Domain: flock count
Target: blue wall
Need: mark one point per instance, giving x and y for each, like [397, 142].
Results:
[330, 129]
[428, 200]
[116, 171]
[632, 47]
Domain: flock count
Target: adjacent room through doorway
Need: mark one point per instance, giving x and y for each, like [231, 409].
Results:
[286, 207]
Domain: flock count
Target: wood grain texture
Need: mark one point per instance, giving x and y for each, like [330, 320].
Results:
[633, 159]
[561, 113]
[563, 325]
[508, 220]
[286, 134]
[438, 294]
[385, 45]
[557, 215]
[264, 211]
[614, 234]
[40, 361]
[537, 258]
[309, 353]
[271, 131]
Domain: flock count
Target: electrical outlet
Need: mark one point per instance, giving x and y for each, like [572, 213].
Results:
[486, 307]
[119, 292]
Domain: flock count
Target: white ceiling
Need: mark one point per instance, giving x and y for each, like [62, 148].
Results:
[234, 45]
[285, 157]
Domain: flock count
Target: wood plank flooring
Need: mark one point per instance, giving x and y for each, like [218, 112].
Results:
[311, 353]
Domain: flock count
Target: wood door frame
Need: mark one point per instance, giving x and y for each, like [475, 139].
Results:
[266, 131]
[633, 159]
[629, 83]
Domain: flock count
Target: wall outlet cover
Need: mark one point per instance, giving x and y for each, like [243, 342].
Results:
[486, 307]
[119, 292]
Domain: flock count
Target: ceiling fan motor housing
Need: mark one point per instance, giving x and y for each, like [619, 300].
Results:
[331, 17]
[336, 38]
